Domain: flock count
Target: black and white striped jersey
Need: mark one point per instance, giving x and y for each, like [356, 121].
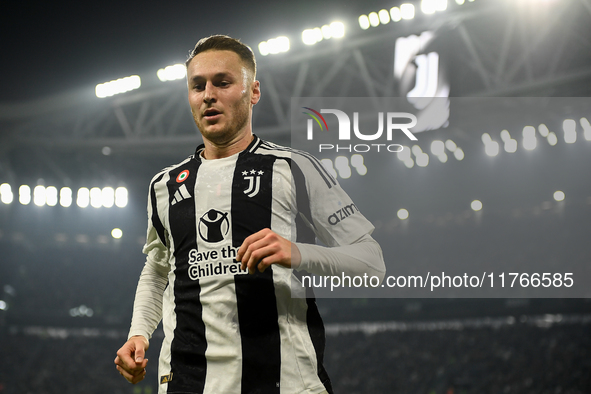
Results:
[227, 331]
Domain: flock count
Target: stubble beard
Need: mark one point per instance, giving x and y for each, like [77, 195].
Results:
[232, 128]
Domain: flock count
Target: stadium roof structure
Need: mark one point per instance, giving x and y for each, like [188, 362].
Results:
[489, 48]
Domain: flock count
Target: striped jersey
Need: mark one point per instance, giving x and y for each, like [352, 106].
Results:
[227, 331]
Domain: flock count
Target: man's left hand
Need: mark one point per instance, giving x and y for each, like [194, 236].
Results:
[266, 247]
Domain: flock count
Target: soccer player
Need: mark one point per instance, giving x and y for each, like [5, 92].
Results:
[229, 229]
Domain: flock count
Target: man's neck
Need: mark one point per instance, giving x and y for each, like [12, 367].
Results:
[214, 151]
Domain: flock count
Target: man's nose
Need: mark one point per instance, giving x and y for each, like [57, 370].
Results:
[209, 93]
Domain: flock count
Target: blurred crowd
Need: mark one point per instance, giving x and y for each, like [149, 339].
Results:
[519, 358]
[513, 358]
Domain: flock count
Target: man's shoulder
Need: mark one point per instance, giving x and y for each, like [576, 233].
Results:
[271, 148]
[306, 163]
[168, 169]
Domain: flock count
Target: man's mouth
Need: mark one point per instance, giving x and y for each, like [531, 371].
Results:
[210, 113]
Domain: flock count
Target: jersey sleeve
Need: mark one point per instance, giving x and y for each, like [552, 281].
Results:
[324, 205]
[157, 245]
[147, 307]
[336, 221]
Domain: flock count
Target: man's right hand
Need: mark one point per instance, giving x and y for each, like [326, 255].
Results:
[130, 360]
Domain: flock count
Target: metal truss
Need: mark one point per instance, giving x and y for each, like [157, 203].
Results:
[488, 49]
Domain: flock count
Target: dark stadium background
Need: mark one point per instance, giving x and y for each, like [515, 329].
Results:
[57, 262]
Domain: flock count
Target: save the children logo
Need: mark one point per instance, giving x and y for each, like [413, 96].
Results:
[214, 226]
[394, 121]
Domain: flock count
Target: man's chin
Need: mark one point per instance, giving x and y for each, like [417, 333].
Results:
[217, 135]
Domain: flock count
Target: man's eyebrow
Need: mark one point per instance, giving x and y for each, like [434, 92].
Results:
[217, 75]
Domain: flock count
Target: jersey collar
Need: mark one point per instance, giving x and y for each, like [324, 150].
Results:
[251, 147]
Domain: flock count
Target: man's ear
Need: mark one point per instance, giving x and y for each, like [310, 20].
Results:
[256, 92]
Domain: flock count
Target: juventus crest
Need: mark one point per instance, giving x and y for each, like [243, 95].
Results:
[254, 182]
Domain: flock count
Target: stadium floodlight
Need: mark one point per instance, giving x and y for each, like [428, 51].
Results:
[510, 143]
[96, 197]
[402, 214]
[51, 196]
[312, 36]
[318, 34]
[492, 148]
[552, 138]
[529, 133]
[437, 147]
[24, 194]
[264, 47]
[459, 154]
[559, 195]
[407, 11]
[442, 157]
[441, 5]
[274, 46]
[60, 237]
[460, 2]
[326, 32]
[337, 29]
[282, 44]
[82, 310]
[450, 145]
[341, 163]
[374, 19]
[3, 305]
[570, 131]
[422, 160]
[172, 73]
[121, 197]
[65, 197]
[486, 138]
[357, 162]
[511, 146]
[108, 197]
[39, 197]
[404, 154]
[6, 195]
[587, 128]
[428, 6]
[416, 150]
[116, 233]
[364, 22]
[395, 14]
[543, 130]
[476, 205]
[82, 238]
[118, 86]
[83, 198]
[529, 138]
[505, 136]
[409, 163]
[384, 16]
